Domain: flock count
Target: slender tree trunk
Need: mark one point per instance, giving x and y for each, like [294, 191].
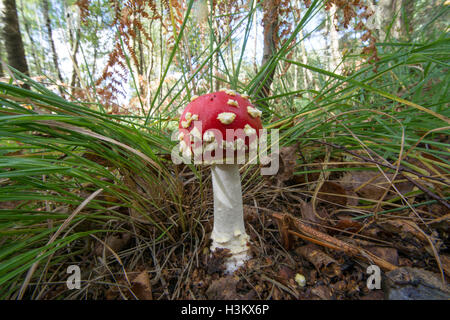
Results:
[1, 58]
[398, 29]
[32, 42]
[335, 55]
[48, 25]
[388, 9]
[75, 46]
[271, 39]
[44, 65]
[12, 38]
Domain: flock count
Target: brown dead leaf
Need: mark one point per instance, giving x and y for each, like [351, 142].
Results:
[141, 286]
[445, 260]
[404, 229]
[288, 161]
[283, 227]
[276, 293]
[115, 242]
[223, 289]
[358, 181]
[385, 253]
[323, 292]
[9, 204]
[98, 159]
[286, 273]
[321, 261]
[347, 224]
[332, 193]
[307, 211]
[374, 295]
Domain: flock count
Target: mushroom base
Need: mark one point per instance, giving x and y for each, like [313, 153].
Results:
[229, 230]
[239, 251]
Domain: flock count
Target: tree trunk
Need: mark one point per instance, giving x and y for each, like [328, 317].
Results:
[387, 10]
[271, 39]
[32, 42]
[48, 25]
[335, 55]
[12, 38]
[75, 46]
[1, 58]
[308, 80]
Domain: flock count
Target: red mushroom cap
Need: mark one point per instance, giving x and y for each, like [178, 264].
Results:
[220, 110]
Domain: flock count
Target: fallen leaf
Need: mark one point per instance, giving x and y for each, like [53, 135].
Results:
[445, 260]
[347, 224]
[288, 160]
[374, 295]
[307, 211]
[115, 242]
[404, 228]
[385, 253]
[372, 185]
[223, 289]
[323, 292]
[332, 193]
[321, 261]
[286, 273]
[141, 286]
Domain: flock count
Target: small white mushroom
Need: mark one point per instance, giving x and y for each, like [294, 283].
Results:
[300, 279]
[226, 117]
[188, 116]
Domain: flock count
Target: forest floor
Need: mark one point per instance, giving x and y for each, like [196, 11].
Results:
[295, 233]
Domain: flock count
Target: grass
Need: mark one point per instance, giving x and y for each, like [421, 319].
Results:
[71, 174]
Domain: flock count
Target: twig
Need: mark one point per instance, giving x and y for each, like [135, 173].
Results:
[428, 192]
[310, 234]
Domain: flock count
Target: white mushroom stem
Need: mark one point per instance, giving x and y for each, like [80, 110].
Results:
[229, 230]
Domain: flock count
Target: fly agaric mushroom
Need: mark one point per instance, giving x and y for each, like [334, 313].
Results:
[218, 113]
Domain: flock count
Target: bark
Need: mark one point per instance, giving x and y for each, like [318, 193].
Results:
[32, 43]
[12, 38]
[74, 40]
[308, 80]
[271, 38]
[48, 26]
[387, 10]
[75, 46]
[335, 55]
[1, 58]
